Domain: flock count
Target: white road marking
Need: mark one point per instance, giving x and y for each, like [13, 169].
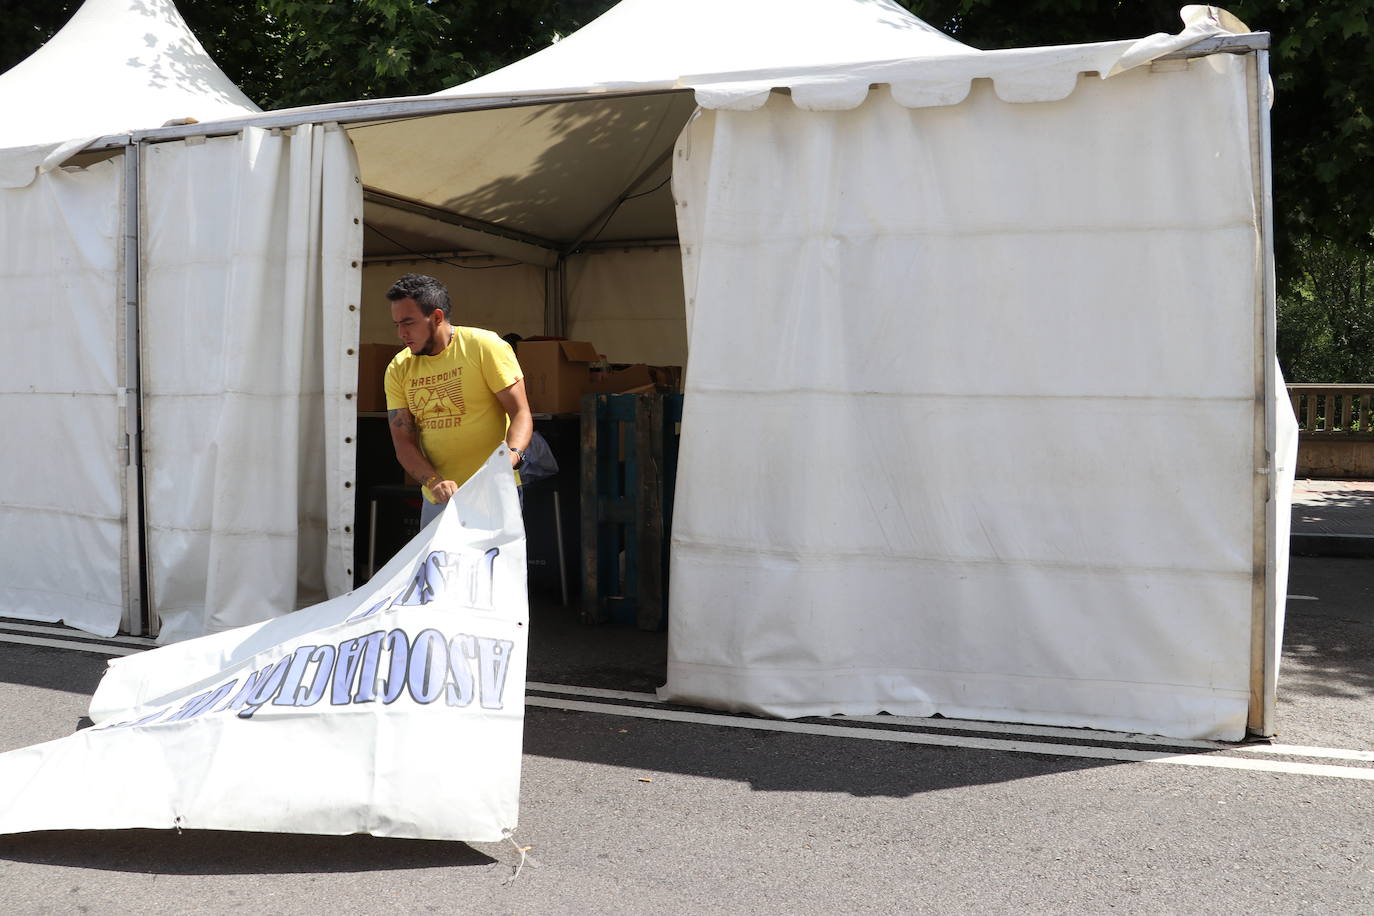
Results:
[1303, 598]
[1029, 747]
[1007, 728]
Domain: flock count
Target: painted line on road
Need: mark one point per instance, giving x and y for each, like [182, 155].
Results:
[960, 741]
[68, 644]
[1035, 731]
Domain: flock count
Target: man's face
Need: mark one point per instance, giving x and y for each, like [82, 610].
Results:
[415, 329]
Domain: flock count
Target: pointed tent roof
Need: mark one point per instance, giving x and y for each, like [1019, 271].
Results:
[657, 44]
[118, 65]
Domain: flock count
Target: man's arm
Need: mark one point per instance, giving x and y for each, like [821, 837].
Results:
[517, 407]
[405, 438]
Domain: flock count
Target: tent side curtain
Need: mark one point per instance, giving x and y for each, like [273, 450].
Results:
[62, 504]
[253, 246]
[1002, 384]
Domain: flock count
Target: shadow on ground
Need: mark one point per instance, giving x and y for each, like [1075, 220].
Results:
[1328, 642]
[770, 761]
[222, 852]
[52, 668]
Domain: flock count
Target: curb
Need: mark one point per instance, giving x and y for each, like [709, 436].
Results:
[1331, 545]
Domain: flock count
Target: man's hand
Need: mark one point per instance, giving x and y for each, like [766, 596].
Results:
[443, 491]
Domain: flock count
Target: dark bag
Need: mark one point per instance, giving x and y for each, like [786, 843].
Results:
[539, 461]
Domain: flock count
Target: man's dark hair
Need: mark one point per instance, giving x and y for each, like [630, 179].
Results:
[429, 294]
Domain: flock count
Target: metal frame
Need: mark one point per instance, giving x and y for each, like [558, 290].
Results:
[1265, 672]
[138, 619]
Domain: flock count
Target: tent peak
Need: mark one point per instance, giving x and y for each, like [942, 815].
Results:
[116, 65]
[654, 43]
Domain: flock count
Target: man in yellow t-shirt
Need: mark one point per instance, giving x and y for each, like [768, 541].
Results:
[452, 395]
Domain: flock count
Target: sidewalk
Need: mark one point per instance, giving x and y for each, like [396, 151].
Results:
[1333, 518]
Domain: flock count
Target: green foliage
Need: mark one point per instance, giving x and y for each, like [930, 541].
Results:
[1326, 317]
[309, 52]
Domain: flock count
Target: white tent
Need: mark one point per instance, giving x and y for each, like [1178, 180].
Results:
[117, 65]
[982, 412]
[224, 272]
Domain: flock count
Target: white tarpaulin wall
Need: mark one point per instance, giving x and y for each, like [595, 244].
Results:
[629, 303]
[395, 710]
[971, 415]
[62, 490]
[501, 299]
[249, 330]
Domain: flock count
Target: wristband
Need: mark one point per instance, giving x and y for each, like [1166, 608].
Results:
[431, 481]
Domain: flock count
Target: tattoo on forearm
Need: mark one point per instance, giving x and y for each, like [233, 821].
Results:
[400, 419]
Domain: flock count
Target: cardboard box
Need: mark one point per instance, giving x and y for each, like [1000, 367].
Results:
[372, 362]
[622, 381]
[637, 378]
[556, 373]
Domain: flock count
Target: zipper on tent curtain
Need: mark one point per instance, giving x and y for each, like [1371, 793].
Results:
[137, 618]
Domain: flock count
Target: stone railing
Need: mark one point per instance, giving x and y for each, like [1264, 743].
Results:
[1336, 430]
[1333, 410]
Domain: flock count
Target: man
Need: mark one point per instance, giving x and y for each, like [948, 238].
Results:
[452, 395]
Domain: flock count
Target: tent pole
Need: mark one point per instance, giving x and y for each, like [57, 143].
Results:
[138, 618]
[1269, 662]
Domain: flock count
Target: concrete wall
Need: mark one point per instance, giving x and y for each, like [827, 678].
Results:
[1336, 456]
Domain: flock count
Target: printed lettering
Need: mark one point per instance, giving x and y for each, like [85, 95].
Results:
[428, 666]
[295, 674]
[345, 668]
[493, 661]
[379, 606]
[324, 657]
[366, 691]
[202, 703]
[399, 650]
[461, 648]
[137, 722]
[265, 688]
[428, 581]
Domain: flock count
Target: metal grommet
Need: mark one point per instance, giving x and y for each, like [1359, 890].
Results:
[347, 484]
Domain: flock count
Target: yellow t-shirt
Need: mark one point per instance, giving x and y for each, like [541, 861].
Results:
[452, 397]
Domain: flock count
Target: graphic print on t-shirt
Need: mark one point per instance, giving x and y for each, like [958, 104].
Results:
[437, 400]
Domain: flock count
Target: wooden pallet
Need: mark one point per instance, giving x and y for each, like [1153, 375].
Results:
[629, 466]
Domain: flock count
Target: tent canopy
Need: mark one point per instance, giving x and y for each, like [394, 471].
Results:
[596, 166]
[654, 44]
[118, 65]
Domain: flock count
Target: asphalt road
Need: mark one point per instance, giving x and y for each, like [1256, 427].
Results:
[625, 814]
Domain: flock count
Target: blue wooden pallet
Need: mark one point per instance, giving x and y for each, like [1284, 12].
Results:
[629, 467]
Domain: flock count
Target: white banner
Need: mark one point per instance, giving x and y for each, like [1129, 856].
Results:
[395, 710]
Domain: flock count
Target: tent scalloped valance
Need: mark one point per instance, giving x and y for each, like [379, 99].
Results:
[1018, 75]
